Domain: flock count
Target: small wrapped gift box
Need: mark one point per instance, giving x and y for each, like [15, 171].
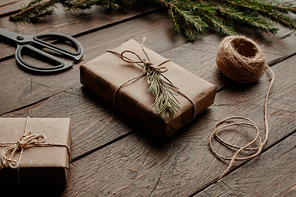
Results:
[111, 77]
[34, 150]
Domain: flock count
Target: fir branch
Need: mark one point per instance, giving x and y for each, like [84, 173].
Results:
[283, 7]
[194, 20]
[87, 4]
[265, 12]
[34, 10]
[76, 4]
[218, 24]
[187, 16]
[174, 19]
[188, 31]
[255, 22]
[208, 14]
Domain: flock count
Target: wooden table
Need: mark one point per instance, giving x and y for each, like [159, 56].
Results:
[111, 156]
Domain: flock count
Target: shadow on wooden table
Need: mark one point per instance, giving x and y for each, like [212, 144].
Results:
[187, 129]
[33, 190]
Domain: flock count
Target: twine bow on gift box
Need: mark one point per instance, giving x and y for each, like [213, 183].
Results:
[8, 152]
[159, 68]
[160, 86]
[27, 140]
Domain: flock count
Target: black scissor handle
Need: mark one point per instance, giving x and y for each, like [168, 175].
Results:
[61, 65]
[74, 56]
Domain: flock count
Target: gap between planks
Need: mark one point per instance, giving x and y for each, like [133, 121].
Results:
[36, 104]
[244, 163]
[274, 62]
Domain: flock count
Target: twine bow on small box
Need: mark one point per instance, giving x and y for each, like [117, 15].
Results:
[27, 140]
[9, 151]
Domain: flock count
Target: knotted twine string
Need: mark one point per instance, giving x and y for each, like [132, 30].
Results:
[146, 63]
[233, 65]
[28, 139]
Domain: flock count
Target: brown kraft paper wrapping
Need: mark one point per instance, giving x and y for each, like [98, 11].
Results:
[39, 164]
[105, 73]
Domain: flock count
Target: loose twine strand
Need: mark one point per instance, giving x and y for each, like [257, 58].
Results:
[28, 139]
[242, 120]
[144, 63]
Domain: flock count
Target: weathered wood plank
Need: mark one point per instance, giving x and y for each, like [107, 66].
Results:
[94, 123]
[136, 163]
[72, 23]
[19, 88]
[41, 87]
[139, 165]
[271, 174]
[10, 6]
[94, 45]
[200, 57]
[205, 48]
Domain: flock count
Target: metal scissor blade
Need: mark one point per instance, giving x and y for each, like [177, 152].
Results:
[12, 36]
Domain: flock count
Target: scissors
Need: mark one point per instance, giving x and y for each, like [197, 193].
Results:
[35, 44]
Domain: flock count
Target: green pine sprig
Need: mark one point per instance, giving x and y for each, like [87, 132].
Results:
[34, 10]
[161, 88]
[269, 11]
[189, 17]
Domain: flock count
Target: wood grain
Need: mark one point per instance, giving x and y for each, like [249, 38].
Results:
[8, 7]
[112, 156]
[137, 165]
[73, 23]
[19, 89]
[52, 107]
[94, 123]
[140, 165]
[271, 174]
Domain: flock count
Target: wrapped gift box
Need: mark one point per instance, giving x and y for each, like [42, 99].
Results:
[105, 73]
[46, 164]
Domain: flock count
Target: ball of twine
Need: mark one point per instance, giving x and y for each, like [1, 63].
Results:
[240, 59]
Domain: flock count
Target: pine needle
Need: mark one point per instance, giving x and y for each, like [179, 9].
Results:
[189, 17]
[161, 88]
